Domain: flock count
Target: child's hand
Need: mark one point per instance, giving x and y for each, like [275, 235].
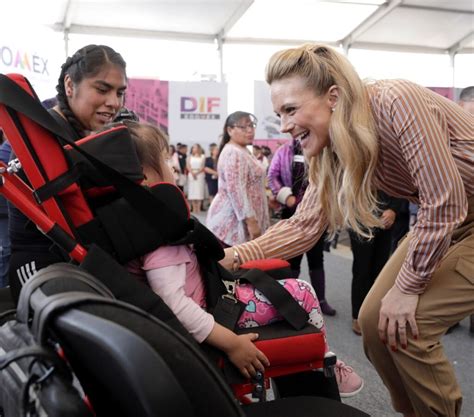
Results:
[245, 356]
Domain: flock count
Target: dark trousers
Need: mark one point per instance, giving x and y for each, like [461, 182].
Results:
[314, 256]
[369, 259]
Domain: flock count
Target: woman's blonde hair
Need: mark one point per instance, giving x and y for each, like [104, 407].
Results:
[152, 144]
[344, 170]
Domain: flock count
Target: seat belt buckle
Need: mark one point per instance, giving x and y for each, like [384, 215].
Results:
[329, 362]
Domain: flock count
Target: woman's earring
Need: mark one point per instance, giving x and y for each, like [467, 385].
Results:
[333, 108]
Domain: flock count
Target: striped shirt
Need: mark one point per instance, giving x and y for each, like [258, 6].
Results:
[426, 155]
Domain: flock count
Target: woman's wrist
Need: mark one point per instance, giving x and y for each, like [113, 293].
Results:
[236, 260]
[228, 259]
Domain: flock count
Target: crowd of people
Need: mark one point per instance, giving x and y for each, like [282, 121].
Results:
[360, 153]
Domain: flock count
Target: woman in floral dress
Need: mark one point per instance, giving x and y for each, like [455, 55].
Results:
[239, 212]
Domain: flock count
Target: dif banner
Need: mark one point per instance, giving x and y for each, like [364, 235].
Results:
[197, 112]
[268, 126]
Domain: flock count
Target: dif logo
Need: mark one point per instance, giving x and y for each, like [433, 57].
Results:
[200, 108]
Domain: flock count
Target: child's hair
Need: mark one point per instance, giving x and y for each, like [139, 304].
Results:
[151, 142]
[85, 63]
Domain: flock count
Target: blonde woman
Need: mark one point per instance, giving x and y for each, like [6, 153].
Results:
[411, 143]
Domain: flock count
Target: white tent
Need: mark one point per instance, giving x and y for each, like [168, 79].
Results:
[410, 25]
[230, 39]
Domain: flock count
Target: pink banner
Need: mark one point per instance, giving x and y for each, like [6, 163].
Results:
[149, 99]
[273, 144]
[443, 91]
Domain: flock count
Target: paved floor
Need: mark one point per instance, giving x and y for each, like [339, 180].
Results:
[374, 398]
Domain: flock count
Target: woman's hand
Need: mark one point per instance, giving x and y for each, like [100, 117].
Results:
[388, 217]
[396, 312]
[253, 228]
[243, 353]
[290, 201]
[228, 261]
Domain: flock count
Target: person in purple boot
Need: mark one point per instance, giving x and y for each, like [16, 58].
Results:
[288, 181]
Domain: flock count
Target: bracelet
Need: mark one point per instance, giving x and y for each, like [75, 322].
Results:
[236, 261]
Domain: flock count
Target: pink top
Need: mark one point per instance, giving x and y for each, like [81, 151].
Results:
[173, 273]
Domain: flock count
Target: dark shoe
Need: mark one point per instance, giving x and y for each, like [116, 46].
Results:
[326, 308]
[450, 329]
[356, 327]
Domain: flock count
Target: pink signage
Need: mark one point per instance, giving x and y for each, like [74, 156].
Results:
[149, 99]
[443, 91]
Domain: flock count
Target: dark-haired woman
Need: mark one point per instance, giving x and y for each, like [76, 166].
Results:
[90, 92]
[239, 211]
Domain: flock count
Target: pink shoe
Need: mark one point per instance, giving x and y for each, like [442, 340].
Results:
[348, 381]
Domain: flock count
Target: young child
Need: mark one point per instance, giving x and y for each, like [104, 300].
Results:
[173, 273]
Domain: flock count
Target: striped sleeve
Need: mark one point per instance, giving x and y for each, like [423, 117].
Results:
[422, 131]
[290, 237]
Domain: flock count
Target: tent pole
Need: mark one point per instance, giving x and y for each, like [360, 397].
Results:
[452, 56]
[220, 52]
[66, 42]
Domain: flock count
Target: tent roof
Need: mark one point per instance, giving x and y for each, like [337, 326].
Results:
[435, 26]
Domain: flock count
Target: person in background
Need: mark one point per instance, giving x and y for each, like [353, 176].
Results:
[5, 151]
[173, 162]
[401, 226]
[257, 152]
[211, 171]
[239, 212]
[195, 166]
[182, 150]
[466, 99]
[370, 255]
[409, 142]
[288, 181]
[90, 92]
[267, 153]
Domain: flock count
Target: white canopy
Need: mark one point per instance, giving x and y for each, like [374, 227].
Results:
[435, 26]
[412, 39]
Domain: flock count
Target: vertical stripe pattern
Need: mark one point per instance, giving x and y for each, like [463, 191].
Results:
[426, 156]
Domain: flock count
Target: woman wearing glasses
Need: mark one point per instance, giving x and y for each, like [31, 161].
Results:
[239, 211]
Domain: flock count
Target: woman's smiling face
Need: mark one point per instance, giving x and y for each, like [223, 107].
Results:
[96, 100]
[303, 115]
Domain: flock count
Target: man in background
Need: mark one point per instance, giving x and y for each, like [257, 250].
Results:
[466, 99]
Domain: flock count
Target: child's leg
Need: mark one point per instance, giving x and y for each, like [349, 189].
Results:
[259, 311]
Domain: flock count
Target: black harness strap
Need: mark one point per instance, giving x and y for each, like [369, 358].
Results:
[54, 187]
